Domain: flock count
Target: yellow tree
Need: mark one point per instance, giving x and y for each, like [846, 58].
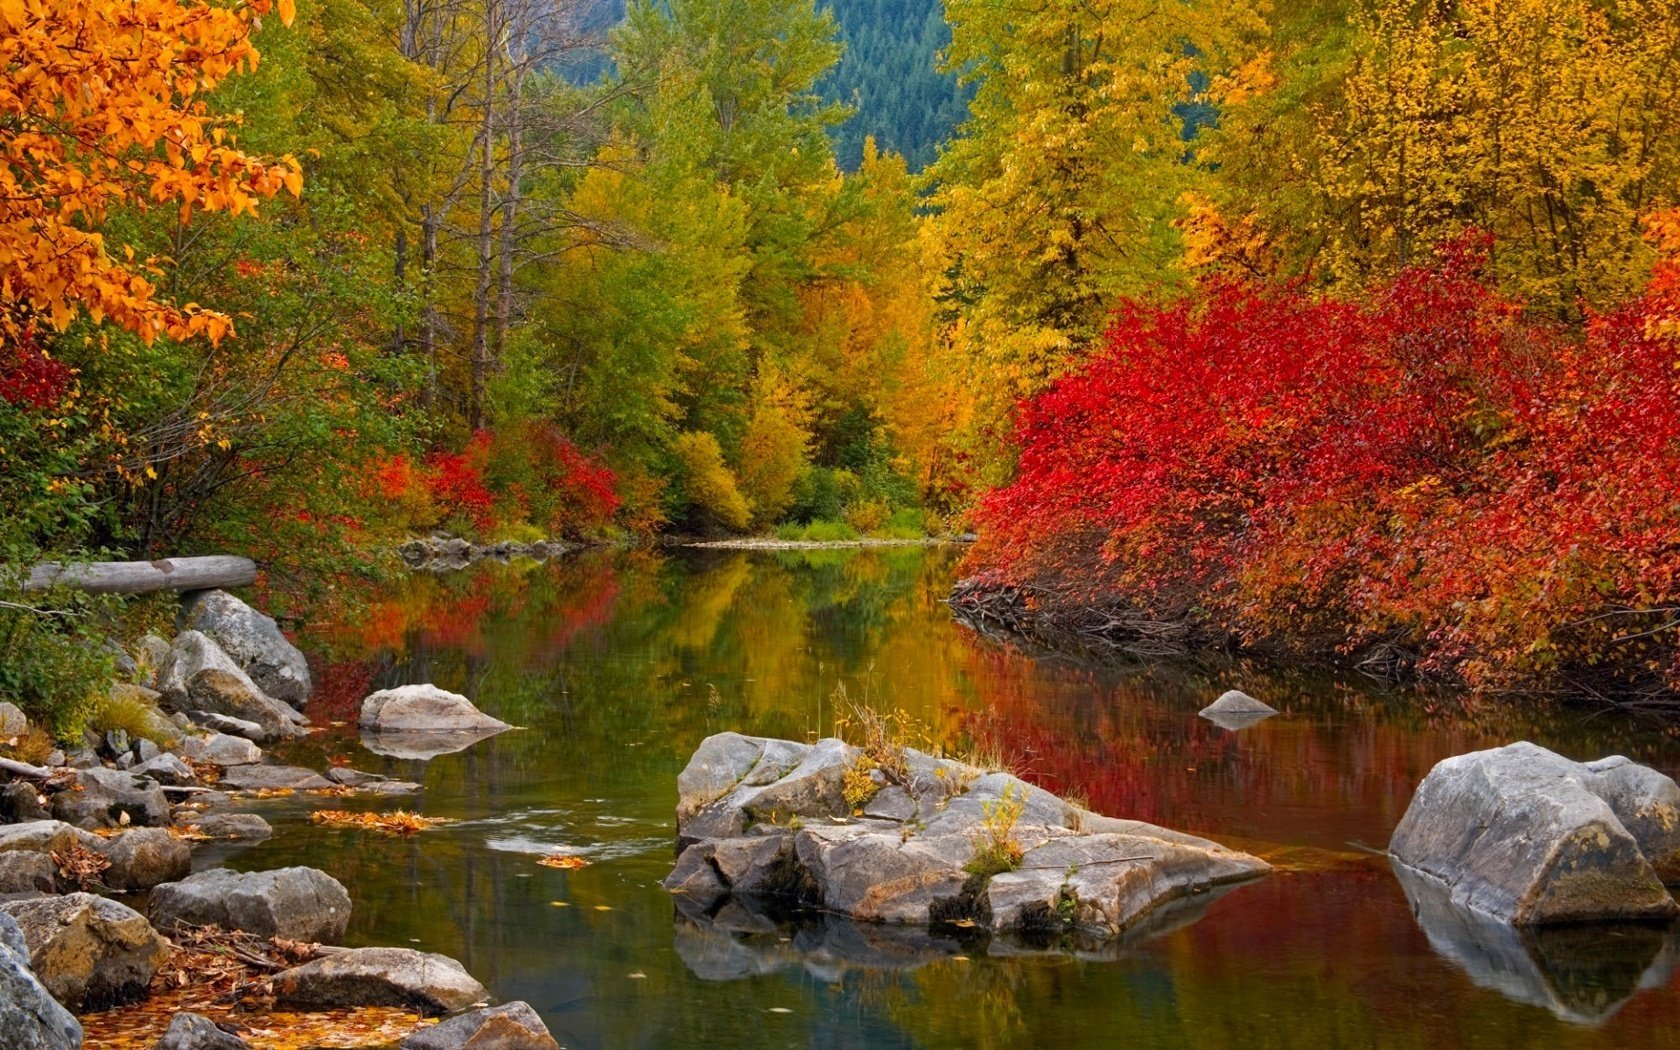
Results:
[1552, 124]
[103, 105]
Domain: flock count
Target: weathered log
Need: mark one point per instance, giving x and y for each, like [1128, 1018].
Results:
[145, 577]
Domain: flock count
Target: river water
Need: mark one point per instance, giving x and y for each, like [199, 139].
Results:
[618, 664]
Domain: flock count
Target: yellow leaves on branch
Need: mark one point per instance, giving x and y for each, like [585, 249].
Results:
[103, 105]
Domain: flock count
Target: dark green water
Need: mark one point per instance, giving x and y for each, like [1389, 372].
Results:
[618, 665]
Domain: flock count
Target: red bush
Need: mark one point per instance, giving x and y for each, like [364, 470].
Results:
[29, 379]
[1427, 469]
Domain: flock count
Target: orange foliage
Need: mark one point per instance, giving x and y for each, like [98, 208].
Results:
[103, 106]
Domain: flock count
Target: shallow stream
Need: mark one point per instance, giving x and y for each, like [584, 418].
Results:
[616, 665]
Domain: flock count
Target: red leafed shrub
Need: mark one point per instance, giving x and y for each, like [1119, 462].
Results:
[532, 479]
[29, 379]
[1427, 471]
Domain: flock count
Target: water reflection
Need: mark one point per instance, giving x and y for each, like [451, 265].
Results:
[1581, 973]
[619, 664]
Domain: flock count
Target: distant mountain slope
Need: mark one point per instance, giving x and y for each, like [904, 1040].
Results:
[890, 74]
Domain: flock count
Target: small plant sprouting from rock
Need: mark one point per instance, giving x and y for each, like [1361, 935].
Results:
[883, 737]
[996, 850]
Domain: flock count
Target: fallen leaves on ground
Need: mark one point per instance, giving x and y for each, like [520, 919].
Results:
[80, 865]
[226, 976]
[564, 861]
[397, 822]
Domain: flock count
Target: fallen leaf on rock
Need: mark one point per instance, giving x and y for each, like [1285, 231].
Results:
[397, 822]
[564, 861]
[269, 793]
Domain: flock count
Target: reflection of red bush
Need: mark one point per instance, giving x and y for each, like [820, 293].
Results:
[1430, 468]
[340, 689]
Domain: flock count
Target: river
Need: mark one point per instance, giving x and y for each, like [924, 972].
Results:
[616, 664]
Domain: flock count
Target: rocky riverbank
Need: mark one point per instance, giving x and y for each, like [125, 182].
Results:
[101, 908]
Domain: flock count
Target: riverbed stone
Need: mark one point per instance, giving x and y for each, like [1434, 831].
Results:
[402, 977]
[511, 1026]
[1520, 833]
[111, 798]
[1648, 805]
[21, 801]
[767, 820]
[227, 827]
[273, 778]
[47, 836]
[30, 1018]
[220, 749]
[1236, 710]
[199, 676]
[166, 769]
[299, 904]
[23, 871]
[13, 722]
[90, 952]
[253, 640]
[424, 709]
[190, 1031]
[217, 722]
[145, 857]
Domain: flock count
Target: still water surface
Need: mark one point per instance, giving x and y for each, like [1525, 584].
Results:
[617, 665]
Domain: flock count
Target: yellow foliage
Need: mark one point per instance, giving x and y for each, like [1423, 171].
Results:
[774, 447]
[103, 105]
[707, 479]
[397, 822]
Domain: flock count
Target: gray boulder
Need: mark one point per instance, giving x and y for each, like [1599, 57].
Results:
[1236, 710]
[22, 871]
[30, 1018]
[273, 778]
[424, 709]
[254, 642]
[47, 836]
[221, 750]
[299, 904]
[199, 676]
[111, 798]
[512, 1026]
[189, 1031]
[220, 723]
[229, 827]
[1519, 833]
[166, 769]
[150, 654]
[13, 722]
[145, 857]
[90, 952]
[402, 977]
[20, 801]
[767, 820]
[1648, 805]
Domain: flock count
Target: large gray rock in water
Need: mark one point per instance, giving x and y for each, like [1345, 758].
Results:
[768, 819]
[199, 676]
[30, 1018]
[1236, 710]
[90, 952]
[228, 827]
[111, 798]
[273, 778]
[221, 749]
[424, 709]
[145, 857]
[1648, 805]
[1521, 834]
[513, 1026]
[253, 641]
[299, 904]
[428, 983]
[197, 1032]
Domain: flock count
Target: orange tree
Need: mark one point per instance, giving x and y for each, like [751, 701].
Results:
[102, 102]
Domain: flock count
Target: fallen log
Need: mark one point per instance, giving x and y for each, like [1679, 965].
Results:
[145, 577]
